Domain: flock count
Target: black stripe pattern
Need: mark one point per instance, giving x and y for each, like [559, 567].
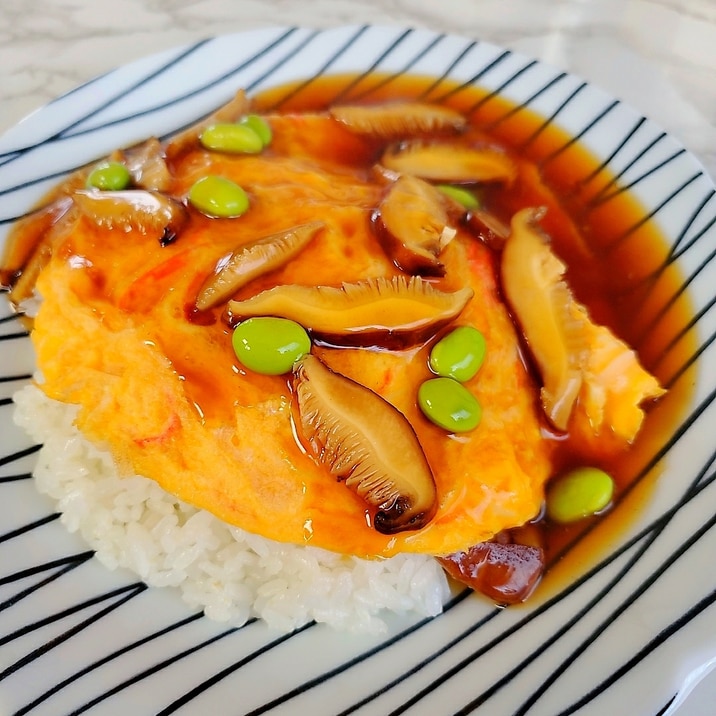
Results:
[77, 638]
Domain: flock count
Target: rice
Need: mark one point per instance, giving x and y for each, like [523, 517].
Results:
[231, 574]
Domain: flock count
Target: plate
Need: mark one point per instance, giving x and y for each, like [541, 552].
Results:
[633, 628]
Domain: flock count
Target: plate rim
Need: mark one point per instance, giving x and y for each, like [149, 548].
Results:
[136, 63]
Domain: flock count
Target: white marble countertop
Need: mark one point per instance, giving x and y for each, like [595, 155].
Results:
[658, 55]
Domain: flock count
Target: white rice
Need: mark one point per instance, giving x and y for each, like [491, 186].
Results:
[133, 523]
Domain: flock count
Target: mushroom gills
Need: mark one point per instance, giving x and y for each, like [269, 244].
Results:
[382, 312]
[532, 279]
[413, 227]
[581, 363]
[399, 119]
[254, 259]
[367, 443]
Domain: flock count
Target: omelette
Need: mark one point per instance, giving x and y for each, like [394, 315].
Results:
[354, 229]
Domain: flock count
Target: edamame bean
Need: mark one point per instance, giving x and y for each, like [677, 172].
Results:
[461, 195]
[580, 493]
[449, 405]
[231, 138]
[219, 197]
[270, 345]
[459, 354]
[109, 176]
[260, 126]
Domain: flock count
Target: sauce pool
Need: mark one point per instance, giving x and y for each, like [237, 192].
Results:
[617, 263]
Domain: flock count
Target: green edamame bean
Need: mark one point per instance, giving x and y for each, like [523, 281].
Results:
[449, 405]
[231, 138]
[580, 493]
[270, 345]
[109, 176]
[461, 195]
[459, 354]
[219, 197]
[260, 126]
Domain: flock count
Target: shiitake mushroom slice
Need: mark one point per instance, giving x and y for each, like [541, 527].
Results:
[146, 164]
[367, 443]
[412, 225]
[580, 362]
[133, 209]
[253, 259]
[448, 163]
[533, 283]
[22, 259]
[29, 244]
[487, 227]
[398, 119]
[390, 313]
[481, 223]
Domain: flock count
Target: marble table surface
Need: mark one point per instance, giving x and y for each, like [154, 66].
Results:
[658, 55]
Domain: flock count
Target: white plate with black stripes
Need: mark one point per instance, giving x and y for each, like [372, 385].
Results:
[626, 637]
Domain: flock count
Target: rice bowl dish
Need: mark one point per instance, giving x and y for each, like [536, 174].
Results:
[273, 570]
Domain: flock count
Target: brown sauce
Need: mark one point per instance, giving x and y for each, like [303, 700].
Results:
[614, 270]
[620, 277]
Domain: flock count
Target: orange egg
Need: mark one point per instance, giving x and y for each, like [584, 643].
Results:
[161, 387]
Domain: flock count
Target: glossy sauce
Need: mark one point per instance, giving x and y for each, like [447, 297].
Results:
[623, 287]
[613, 282]
[622, 281]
